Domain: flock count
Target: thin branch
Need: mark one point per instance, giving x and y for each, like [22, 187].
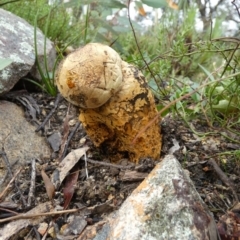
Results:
[27, 216]
[2, 4]
[9, 185]
[223, 177]
[72, 133]
[138, 47]
[5, 158]
[41, 127]
[108, 164]
[32, 186]
[65, 136]
[8, 210]
[177, 100]
[235, 5]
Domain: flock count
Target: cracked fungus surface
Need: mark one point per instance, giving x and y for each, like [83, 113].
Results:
[117, 122]
[90, 76]
[115, 101]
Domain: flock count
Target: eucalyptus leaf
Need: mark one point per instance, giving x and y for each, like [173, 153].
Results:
[114, 4]
[74, 3]
[207, 72]
[121, 29]
[224, 105]
[4, 62]
[155, 3]
[138, 4]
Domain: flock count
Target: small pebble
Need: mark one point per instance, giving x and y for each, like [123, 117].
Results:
[42, 228]
[82, 141]
[114, 171]
[112, 189]
[44, 112]
[51, 103]
[62, 107]
[72, 122]
[105, 178]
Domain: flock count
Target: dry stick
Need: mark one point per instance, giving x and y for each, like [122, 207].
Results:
[223, 177]
[108, 164]
[72, 133]
[5, 158]
[41, 127]
[86, 165]
[228, 59]
[37, 234]
[65, 133]
[46, 233]
[32, 185]
[7, 163]
[9, 185]
[179, 99]
[235, 5]
[2, 180]
[8, 210]
[27, 216]
[164, 56]
[2, 4]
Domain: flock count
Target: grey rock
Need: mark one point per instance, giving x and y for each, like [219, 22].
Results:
[165, 205]
[18, 139]
[55, 141]
[17, 44]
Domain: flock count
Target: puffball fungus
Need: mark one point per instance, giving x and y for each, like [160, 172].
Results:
[114, 99]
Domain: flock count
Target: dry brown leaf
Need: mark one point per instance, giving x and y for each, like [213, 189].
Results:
[48, 185]
[67, 164]
[69, 188]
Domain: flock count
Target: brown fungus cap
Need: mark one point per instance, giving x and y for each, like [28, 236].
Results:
[90, 75]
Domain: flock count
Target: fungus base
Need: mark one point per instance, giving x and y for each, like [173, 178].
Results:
[116, 123]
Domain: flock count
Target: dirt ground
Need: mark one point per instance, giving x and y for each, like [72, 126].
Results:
[198, 155]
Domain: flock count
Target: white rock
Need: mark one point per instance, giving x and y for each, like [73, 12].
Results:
[166, 205]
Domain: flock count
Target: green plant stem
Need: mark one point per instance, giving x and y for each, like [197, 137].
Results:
[86, 24]
[177, 100]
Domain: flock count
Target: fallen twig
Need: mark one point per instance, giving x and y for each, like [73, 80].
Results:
[223, 177]
[41, 127]
[46, 233]
[133, 176]
[86, 165]
[3, 193]
[7, 163]
[32, 185]
[8, 210]
[65, 136]
[108, 164]
[27, 216]
[5, 158]
[37, 234]
[72, 133]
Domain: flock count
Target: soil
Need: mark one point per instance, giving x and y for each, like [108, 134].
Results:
[196, 154]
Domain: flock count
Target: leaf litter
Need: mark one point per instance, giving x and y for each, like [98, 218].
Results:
[91, 187]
